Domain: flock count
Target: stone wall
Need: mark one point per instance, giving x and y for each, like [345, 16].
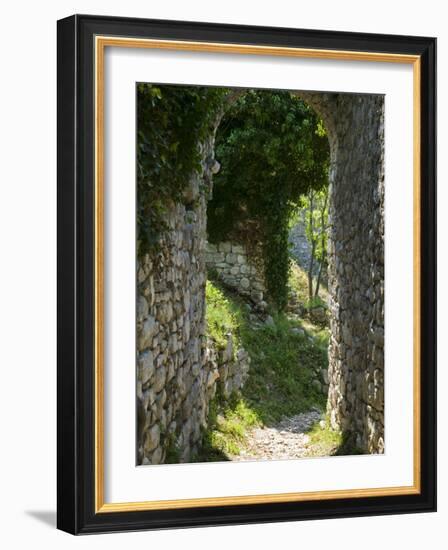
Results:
[356, 265]
[172, 366]
[178, 368]
[232, 365]
[238, 271]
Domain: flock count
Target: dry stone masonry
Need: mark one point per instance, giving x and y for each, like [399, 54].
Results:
[232, 366]
[238, 271]
[178, 368]
[355, 126]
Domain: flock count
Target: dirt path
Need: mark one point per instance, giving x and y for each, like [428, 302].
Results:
[287, 439]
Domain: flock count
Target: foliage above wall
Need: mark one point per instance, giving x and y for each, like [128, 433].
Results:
[172, 121]
[272, 148]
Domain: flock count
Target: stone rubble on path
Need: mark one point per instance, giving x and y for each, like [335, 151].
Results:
[285, 440]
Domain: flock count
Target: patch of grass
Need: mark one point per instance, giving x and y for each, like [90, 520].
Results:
[315, 302]
[228, 425]
[320, 335]
[324, 440]
[280, 381]
[223, 314]
[298, 282]
[232, 425]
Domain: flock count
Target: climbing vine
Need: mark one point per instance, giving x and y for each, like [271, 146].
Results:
[273, 149]
[172, 121]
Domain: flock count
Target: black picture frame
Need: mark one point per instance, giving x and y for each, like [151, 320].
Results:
[76, 256]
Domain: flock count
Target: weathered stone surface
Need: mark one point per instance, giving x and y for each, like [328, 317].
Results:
[245, 283]
[238, 249]
[159, 378]
[237, 270]
[157, 456]
[355, 126]
[147, 332]
[146, 366]
[152, 438]
[191, 193]
[177, 367]
[142, 308]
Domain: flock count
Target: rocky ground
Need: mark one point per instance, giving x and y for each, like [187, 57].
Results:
[288, 439]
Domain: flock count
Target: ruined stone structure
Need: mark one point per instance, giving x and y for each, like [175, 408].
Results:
[355, 126]
[178, 370]
[238, 270]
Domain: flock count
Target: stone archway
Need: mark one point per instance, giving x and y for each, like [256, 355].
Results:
[176, 373]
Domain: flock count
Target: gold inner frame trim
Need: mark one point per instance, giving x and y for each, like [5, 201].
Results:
[101, 42]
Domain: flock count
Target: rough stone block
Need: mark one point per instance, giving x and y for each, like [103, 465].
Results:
[152, 438]
[146, 366]
[159, 378]
[241, 259]
[238, 249]
[245, 283]
[147, 331]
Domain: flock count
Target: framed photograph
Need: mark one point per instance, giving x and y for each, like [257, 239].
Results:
[246, 274]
